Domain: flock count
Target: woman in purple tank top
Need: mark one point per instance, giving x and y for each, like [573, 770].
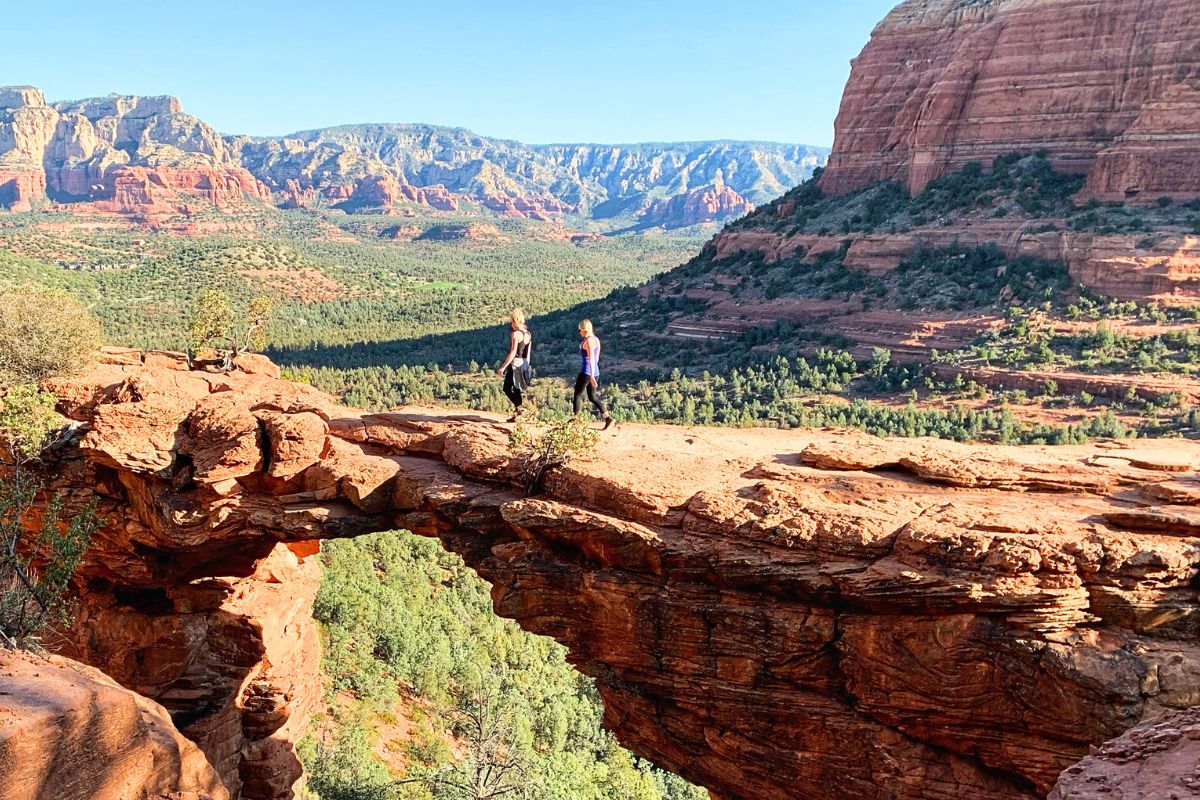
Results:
[589, 372]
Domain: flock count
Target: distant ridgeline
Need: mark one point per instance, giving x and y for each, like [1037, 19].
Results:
[146, 156]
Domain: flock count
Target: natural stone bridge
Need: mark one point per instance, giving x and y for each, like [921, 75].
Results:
[770, 614]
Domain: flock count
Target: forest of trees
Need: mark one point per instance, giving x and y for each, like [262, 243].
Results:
[410, 634]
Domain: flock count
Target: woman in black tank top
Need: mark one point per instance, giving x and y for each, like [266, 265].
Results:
[516, 368]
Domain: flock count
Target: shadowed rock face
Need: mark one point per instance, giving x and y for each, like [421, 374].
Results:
[1106, 87]
[68, 732]
[771, 614]
[1159, 758]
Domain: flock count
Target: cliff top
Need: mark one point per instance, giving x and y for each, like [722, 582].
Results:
[974, 617]
[142, 412]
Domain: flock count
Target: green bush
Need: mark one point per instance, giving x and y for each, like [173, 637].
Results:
[540, 451]
[448, 658]
[44, 333]
[35, 567]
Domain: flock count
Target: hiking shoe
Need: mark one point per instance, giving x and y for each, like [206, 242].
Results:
[608, 423]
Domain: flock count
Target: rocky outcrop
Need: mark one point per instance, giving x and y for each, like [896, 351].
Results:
[1114, 265]
[771, 614]
[715, 203]
[382, 193]
[544, 208]
[1106, 87]
[132, 155]
[22, 189]
[69, 732]
[168, 190]
[1157, 759]
[235, 660]
[145, 156]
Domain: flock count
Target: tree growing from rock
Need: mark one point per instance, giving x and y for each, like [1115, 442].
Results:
[555, 445]
[215, 327]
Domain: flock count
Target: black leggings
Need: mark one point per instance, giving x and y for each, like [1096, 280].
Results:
[584, 384]
[511, 390]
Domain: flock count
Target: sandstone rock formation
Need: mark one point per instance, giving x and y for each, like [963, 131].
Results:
[1114, 265]
[770, 614]
[383, 192]
[714, 203]
[137, 155]
[69, 732]
[1106, 87]
[1155, 760]
[144, 156]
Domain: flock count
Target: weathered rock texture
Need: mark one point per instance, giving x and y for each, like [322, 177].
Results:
[1156, 760]
[69, 732]
[1122, 266]
[1107, 87]
[773, 615]
[144, 156]
[136, 155]
[713, 203]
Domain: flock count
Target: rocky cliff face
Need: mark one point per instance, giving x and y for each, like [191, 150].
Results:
[535, 181]
[770, 614]
[1107, 87]
[69, 732]
[139, 155]
[714, 203]
[145, 156]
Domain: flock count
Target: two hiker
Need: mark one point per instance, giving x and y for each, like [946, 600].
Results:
[518, 373]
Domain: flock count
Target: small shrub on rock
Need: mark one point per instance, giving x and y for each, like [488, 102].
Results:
[555, 445]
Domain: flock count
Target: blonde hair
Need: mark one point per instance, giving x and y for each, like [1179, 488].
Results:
[585, 328]
[518, 317]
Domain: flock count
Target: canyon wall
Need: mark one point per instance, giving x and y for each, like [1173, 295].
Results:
[143, 156]
[1106, 87]
[770, 614]
[135, 155]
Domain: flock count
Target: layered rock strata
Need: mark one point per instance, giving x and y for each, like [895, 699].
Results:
[1106, 87]
[1122, 266]
[770, 614]
[138, 155]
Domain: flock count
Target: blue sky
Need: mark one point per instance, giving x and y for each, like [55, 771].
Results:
[604, 71]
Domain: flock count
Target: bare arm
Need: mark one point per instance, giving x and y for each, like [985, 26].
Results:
[512, 353]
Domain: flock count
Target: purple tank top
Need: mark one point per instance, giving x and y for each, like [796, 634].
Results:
[585, 364]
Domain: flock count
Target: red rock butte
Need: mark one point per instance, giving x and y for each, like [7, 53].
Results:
[1110, 88]
[771, 614]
